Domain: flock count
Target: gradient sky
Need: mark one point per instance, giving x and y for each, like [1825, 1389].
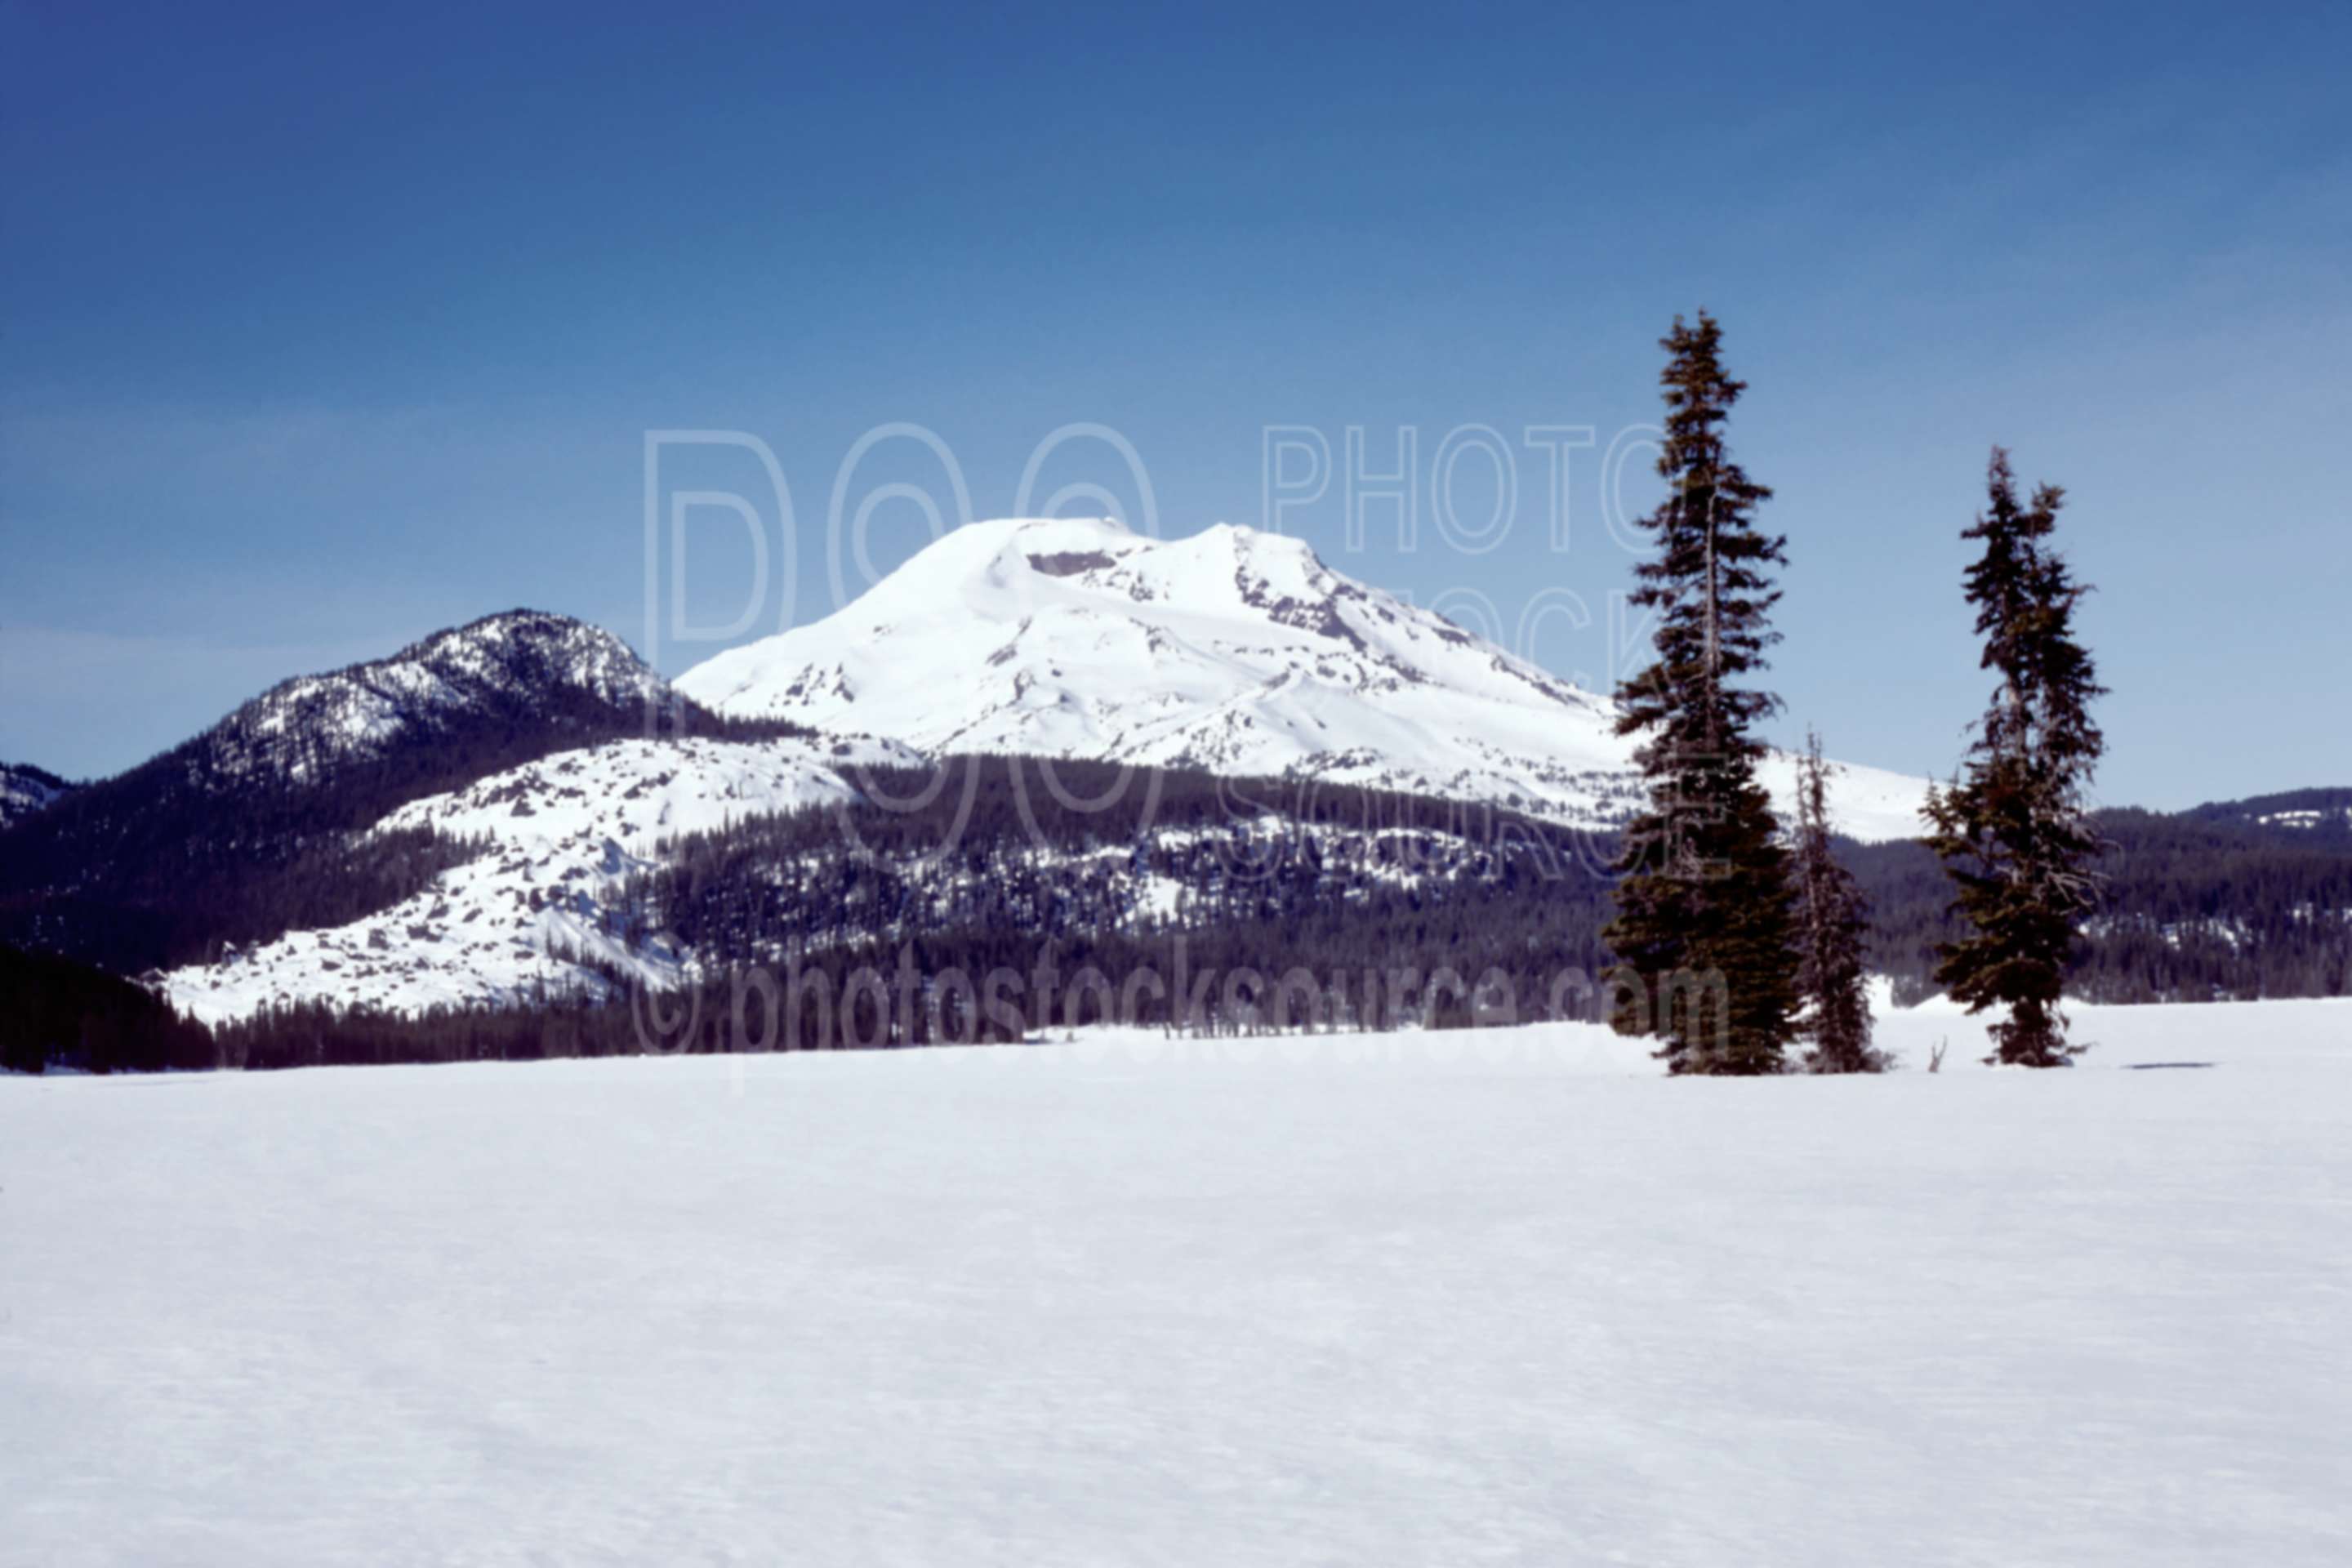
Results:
[323, 332]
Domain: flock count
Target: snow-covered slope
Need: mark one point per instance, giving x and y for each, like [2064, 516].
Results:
[560, 835]
[26, 789]
[1234, 651]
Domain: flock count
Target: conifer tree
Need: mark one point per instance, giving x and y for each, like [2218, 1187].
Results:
[1703, 906]
[2015, 828]
[1833, 920]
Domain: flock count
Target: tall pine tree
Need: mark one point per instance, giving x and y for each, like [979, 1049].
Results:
[1832, 921]
[1704, 903]
[2015, 828]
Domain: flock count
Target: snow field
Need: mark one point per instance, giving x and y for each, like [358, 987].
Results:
[1509, 1298]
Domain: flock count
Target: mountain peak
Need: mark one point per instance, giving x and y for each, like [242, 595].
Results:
[1230, 649]
[518, 666]
[192, 838]
[587, 653]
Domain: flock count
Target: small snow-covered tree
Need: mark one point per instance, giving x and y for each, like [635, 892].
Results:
[1832, 924]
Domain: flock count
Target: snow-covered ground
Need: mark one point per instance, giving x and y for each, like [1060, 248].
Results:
[1503, 1298]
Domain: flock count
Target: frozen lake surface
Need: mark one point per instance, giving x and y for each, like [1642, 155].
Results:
[1446, 1300]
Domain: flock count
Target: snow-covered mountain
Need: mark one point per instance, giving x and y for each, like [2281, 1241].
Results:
[521, 663]
[26, 789]
[1233, 651]
[217, 838]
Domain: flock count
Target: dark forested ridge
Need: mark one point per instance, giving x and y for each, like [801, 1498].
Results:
[1089, 850]
[2212, 904]
[254, 827]
[2197, 907]
[2295, 816]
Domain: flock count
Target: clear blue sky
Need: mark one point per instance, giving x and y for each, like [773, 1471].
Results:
[321, 332]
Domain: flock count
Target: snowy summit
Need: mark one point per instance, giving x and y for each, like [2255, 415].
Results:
[1233, 650]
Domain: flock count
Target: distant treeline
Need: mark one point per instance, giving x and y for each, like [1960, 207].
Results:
[57, 1013]
[2203, 905]
[969, 987]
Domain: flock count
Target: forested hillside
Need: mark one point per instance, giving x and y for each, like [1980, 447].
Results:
[2208, 905]
[2194, 910]
[1092, 850]
[260, 824]
[2298, 816]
